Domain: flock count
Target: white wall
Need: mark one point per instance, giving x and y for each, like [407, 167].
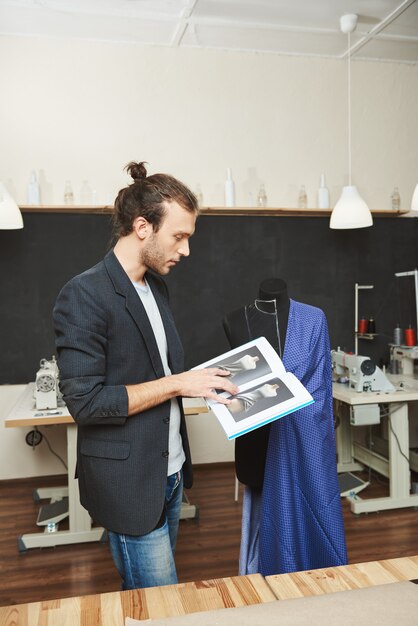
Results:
[82, 110]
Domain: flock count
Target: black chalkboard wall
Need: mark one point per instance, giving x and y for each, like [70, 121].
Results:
[230, 256]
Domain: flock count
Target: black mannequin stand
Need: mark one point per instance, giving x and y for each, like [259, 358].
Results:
[251, 449]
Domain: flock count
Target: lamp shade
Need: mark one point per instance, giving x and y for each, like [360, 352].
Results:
[10, 215]
[414, 203]
[350, 211]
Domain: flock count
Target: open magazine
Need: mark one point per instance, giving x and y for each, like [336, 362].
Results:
[266, 391]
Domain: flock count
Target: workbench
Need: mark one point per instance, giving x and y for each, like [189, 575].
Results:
[81, 528]
[238, 592]
[353, 456]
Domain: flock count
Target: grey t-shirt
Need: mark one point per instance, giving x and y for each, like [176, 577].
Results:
[176, 453]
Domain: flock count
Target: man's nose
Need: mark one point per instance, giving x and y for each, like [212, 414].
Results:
[184, 249]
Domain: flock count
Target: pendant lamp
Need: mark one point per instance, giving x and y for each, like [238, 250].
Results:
[351, 211]
[10, 215]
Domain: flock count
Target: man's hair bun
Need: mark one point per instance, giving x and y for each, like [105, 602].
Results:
[137, 170]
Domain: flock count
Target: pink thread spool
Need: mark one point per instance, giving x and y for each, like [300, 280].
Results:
[410, 337]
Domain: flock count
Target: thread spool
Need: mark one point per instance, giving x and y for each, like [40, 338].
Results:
[410, 336]
[371, 326]
[398, 336]
[362, 325]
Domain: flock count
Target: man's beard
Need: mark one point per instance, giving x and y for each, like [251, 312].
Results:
[153, 258]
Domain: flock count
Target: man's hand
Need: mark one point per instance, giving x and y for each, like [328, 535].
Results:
[192, 384]
[202, 384]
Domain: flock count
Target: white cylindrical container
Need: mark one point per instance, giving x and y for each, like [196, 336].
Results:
[229, 189]
[262, 196]
[68, 193]
[395, 199]
[34, 196]
[323, 194]
[302, 198]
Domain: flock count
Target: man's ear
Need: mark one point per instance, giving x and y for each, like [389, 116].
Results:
[141, 227]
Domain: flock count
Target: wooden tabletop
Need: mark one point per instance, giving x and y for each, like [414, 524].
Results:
[25, 414]
[110, 609]
[344, 578]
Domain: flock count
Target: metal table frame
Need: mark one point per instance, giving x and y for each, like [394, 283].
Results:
[81, 527]
[352, 456]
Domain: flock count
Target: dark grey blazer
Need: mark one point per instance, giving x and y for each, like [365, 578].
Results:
[104, 341]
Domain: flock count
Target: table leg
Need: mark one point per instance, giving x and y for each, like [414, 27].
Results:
[343, 436]
[399, 473]
[80, 529]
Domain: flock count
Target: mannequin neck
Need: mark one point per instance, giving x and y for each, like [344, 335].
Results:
[274, 289]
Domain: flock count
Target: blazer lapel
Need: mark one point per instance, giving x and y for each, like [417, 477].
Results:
[125, 288]
[174, 346]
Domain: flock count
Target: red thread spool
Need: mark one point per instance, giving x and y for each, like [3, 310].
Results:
[362, 325]
[410, 337]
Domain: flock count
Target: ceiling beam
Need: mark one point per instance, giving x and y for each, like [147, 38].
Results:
[183, 23]
[378, 28]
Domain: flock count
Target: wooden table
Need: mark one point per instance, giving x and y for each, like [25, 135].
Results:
[110, 609]
[343, 578]
[81, 530]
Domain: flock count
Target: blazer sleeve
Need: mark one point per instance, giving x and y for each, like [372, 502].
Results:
[81, 342]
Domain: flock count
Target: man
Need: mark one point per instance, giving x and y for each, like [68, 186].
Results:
[121, 369]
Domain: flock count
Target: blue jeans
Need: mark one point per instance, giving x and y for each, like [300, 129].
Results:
[148, 560]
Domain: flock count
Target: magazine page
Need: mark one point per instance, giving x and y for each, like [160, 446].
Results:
[259, 405]
[253, 361]
[266, 391]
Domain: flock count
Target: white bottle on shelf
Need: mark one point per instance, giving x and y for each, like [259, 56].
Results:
[323, 194]
[395, 199]
[302, 198]
[262, 196]
[68, 193]
[229, 189]
[199, 195]
[34, 196]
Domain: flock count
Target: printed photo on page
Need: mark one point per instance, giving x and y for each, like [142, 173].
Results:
[266, 391]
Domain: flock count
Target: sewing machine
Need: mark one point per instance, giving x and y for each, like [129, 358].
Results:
[402, 359]
[362, 373]
[47, 394]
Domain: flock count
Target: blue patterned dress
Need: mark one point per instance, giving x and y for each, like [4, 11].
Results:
[295, 523]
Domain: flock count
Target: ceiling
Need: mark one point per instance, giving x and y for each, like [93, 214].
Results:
[387, 29]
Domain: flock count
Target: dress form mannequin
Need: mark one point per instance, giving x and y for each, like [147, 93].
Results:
[250, 449]
[292, 517]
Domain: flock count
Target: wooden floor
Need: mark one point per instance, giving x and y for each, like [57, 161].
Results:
[208, 547]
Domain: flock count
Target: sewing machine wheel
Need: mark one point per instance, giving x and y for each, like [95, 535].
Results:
[45, 382]
[368, 367]
[33, 438]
